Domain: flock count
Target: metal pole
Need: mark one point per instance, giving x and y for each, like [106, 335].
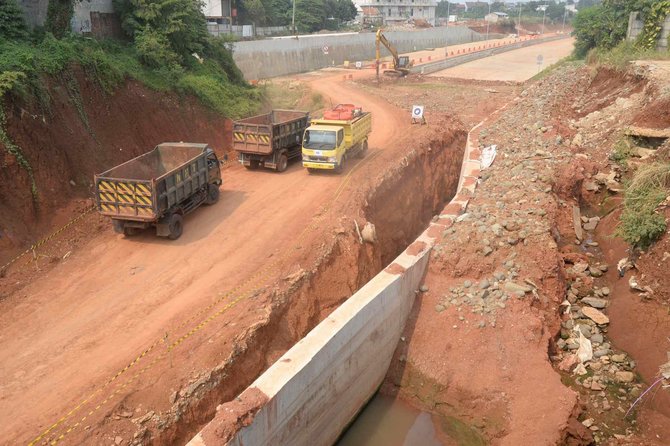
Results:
[518, 27]
[446, 43]
[487, 22]
[565, 13]
[544, 14]
[293, 19]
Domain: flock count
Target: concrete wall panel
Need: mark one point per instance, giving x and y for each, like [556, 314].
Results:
[260, 59]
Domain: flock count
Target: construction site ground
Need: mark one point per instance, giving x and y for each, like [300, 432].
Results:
[113, 340]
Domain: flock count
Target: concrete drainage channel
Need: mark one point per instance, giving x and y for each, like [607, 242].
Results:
[290, 401]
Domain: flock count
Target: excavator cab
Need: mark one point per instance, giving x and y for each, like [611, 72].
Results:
[403, 62]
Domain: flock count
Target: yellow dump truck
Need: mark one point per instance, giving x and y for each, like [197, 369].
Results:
[341, 133]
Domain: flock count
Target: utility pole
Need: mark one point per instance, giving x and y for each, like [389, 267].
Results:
[488, 23]
[293, 19]
[518, 26]
[544, 15]
[565, 13]
[446, 43]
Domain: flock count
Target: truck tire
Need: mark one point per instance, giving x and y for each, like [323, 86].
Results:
[363, 149]
[253, 164]
[282, 163]
[212, 194]
[340, 165]
[118, 226]
[175, 226]
[129, 232]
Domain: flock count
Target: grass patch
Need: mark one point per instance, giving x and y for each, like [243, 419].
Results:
[291, 96]
[621, 55]
[623, 150]
[641, 224]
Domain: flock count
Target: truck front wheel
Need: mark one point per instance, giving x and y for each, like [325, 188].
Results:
[212, 194]
[175, 226]
[340, 166]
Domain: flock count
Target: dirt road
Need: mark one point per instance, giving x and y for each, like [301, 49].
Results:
[517, 65]
[68, 333]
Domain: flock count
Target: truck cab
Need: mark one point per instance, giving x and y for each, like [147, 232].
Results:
[323, 146]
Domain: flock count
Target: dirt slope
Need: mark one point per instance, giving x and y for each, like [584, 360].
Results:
[69, 332]
[85, 131]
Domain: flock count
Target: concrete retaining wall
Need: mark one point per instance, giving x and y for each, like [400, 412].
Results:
[440, 65]
[262, 59]
[317, 388]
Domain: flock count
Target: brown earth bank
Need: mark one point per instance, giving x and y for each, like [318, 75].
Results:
[490, 348]
[80, 130]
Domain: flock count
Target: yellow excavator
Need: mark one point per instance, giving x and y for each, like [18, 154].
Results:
[401, 64]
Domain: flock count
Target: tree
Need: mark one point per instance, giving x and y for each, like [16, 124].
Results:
[161, 27]
[441, 10]
[584, 4]
[12, 23]
[598, 26]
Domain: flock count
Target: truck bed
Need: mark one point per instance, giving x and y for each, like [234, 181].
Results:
[263, 134]
[140, 189]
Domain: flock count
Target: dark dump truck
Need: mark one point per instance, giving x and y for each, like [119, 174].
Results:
[270, 140]
[159, 188]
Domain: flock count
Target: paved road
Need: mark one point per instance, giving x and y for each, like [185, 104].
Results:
[517, 65]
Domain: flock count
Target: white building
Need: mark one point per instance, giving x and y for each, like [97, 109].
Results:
[218, 11]
[398, 11]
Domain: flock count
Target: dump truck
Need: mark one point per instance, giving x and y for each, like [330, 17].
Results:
[340, 134]
[269, 140]
[158, 188]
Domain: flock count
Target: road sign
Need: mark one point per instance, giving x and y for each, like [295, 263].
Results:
[359, 65]
[417, 114]
[540, 59]
[325, 49]
[417, 111]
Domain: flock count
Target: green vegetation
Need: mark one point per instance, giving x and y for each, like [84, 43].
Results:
[603, 27]
[169, 50]
[310, 15]
[623, 149]
[59, 16]
[530, 11]
[12, 24]
[620, 56]
[641, 224]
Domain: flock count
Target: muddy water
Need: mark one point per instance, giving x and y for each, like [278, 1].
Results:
[387, 421]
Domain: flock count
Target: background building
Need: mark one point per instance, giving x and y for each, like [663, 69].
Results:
[399, 11]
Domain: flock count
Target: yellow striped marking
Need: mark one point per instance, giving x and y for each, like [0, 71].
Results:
[141, 188]
[142, 200]
[104, 185]
[125, 187]
[125, 199]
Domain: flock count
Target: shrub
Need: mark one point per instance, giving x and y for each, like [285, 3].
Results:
[641, 225]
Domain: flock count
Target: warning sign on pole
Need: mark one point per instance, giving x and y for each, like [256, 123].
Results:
[325, 49]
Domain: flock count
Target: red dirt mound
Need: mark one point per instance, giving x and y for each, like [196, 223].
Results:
[85, 131]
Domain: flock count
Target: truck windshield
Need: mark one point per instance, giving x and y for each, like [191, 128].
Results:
[319, 139]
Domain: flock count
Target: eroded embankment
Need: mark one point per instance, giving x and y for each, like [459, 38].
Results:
[405, 199]
[75, 130]
[512, 343]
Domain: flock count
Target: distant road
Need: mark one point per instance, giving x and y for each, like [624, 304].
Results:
[517, 65]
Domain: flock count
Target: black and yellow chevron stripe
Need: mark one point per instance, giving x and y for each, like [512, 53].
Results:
[251, 137]
[120, 197]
